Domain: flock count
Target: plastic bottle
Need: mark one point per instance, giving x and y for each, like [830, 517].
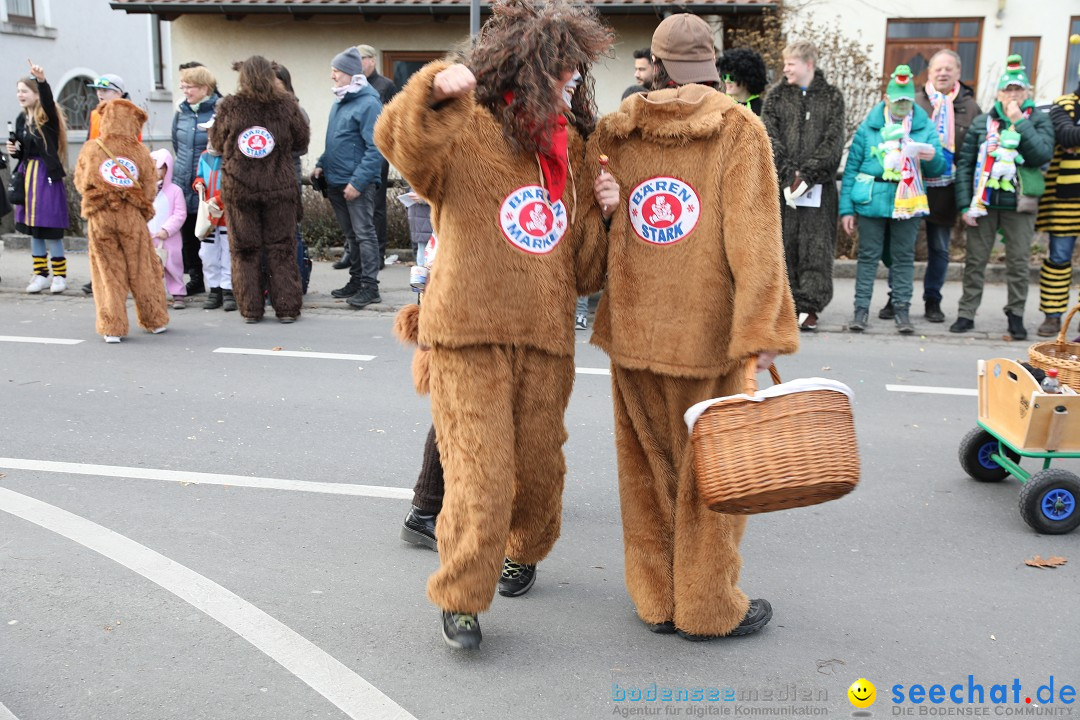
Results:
[1050, 383]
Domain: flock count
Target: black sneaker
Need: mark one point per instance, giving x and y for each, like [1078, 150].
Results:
[757, 617]
[961, 325]
[665, 628]
[1016, 327]
[516, 579]
[351, 288]
[88, 288]
[195, 286]
[213, 299]
[228, 301]
[461, 631]
[419, 529]
[367, 296]
[933, 312]
[903, 321]
[888, 312]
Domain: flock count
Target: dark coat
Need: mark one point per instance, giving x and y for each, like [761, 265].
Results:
[384, 86]
[188, 142]
[942, 200]
[45, 142]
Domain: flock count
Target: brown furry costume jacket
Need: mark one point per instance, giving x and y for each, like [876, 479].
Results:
[258, 141]
[122, 257]
[696, 284]
[498, 317]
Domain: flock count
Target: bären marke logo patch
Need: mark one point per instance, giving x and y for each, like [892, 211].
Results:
[530, 222]
[112, 173]
[664, 210]
[256, 142]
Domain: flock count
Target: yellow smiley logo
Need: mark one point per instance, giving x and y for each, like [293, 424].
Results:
[862, 693]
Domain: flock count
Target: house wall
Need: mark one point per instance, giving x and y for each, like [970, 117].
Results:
[1048, 19]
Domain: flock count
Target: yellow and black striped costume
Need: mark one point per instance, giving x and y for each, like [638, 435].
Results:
[1059, 207]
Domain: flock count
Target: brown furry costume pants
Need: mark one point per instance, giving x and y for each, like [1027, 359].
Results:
[270, 224]
[682, 559]
[498, 413]
[122, 260]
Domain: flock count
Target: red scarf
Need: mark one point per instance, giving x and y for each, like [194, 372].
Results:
[553, 164]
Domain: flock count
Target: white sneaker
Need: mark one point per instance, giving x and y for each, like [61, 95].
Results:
[158, 331]
[59, 284]
[581, 323]
[39, 283]
[112, 339]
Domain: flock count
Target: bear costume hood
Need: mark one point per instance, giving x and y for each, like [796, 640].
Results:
[122, 117]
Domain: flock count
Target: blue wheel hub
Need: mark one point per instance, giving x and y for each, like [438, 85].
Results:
[984, 455]
[1057, 504]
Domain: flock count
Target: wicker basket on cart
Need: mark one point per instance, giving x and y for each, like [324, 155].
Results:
[786, 451]
[1056, 354]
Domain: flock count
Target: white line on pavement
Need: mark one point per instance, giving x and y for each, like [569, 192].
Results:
[294, 353]
[6, 714]
[197, 478]
[41, 341]
[354, 695]
[593, 371]
[931, 390]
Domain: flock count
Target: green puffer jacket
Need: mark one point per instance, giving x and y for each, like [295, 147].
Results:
[1036, 147]
[875, 199]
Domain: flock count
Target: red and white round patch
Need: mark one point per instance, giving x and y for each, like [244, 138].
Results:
[112, 173]
[530, 222]
[664, 210]
[256, 142]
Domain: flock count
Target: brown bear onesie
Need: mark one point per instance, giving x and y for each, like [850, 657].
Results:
[117, 208]
[696, 284]
[258, 141]
[498, 315]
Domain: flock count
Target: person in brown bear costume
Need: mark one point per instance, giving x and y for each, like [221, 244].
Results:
[696, 286]
[258, 130]
[118, 182]
[493, 145]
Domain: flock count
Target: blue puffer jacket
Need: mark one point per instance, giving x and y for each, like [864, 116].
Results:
[188, 143]
[350, 157]
[875, 198]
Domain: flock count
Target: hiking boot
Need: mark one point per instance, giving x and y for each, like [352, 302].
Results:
[461, 631]
[228, 300]
[581, 323]
[1016, 327]
[888, 312]
[757, 617]
[933, 312]
[961, 325]
[808, 321]
[365, 297]
[516, 579]
[38, 283]
[860, 321]
[1050, 327]
[419, 528]
[213, 299]
[351, 288]
[903, 321]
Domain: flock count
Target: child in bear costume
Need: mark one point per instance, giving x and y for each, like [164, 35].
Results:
[118, 182]
[487, 144]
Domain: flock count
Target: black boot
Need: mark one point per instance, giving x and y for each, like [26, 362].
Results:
[1016, 326]
[228, 300]
[903, 320]
[419, 528]
[860, 321]
[213, 299]
[887, 312]
[933, 311]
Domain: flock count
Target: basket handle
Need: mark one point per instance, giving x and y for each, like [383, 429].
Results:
[750, 385]
[1065, 325]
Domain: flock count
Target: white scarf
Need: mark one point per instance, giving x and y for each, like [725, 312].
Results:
[359, 82]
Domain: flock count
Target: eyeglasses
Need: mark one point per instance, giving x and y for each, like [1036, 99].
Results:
[728, 79]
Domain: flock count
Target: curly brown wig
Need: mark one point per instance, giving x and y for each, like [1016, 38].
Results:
[524, 49]
[256, 80]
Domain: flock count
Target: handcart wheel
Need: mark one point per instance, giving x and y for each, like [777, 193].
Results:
[1048, 501]
[975, 450]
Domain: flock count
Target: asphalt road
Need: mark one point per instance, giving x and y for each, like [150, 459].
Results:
[129, 593]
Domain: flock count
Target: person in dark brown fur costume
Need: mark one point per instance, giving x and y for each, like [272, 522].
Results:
[258, 130]
[118, 182]
[695, 287]
[493, 145]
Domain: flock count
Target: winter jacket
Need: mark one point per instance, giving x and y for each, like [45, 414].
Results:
[188, 143]
[44, 142]
[1059, 208]
[1036, 147]
[350, 156]
[384, 86]
[696, 276]
[806, 129]
[942, 200]
[170, 206]
[210, 176]
[505, 273]
[875, 199]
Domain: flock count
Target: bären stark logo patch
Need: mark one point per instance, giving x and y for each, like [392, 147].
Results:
[664, 210]
[112, 173]
[256, 142]
[530, 222]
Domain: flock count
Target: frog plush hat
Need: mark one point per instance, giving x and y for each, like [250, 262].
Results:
[1015, 73]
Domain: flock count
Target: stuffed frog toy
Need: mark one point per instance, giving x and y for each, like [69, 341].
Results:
[888, 151]
[1006, 158]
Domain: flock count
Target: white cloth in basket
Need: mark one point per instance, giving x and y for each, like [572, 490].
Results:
[786, 388]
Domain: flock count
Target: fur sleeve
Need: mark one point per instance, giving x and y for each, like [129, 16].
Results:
[301, 131]
[764, 312]
[591, 262]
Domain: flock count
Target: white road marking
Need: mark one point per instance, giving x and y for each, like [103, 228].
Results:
[931, 390]
[6, 714]
[41, 341]
[294, 353]
[593, 371]
[197, 478]
[354, 695]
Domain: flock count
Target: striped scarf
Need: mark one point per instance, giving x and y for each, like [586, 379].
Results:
[910, 200]
[944, 119]
[983, 166]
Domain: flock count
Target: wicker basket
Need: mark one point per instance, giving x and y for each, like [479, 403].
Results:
[1056, 353]
[783, 452]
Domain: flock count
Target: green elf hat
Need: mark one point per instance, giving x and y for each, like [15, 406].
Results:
[901, 85]
[1014, 73]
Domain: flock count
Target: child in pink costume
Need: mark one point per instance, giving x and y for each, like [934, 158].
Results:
[170, 214]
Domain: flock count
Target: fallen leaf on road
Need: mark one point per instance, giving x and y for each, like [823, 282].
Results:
[1050, 562]
[275, 349]
[825, 367]
[993, 638]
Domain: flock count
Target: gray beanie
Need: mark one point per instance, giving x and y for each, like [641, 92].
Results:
[348, 62]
